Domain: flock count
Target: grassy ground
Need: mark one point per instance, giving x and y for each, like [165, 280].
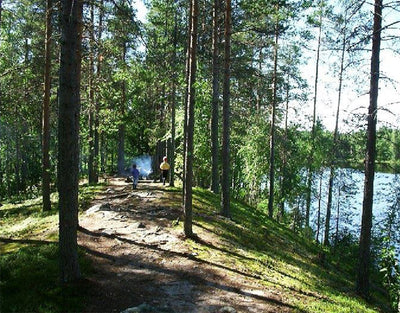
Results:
[285, 260]
[29, 268]
[249, 242]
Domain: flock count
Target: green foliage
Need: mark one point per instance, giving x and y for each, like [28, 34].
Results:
[390, 270]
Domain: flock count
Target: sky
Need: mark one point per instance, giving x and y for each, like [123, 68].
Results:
[356, 103]
[141, 9]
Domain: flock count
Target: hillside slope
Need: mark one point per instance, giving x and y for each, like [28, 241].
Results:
[140, 260]
[247, 263]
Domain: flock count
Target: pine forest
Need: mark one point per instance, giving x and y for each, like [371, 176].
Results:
[276, 124]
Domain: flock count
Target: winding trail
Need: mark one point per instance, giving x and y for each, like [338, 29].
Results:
[140, 256]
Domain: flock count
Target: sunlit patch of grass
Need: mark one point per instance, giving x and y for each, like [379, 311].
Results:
[251, 243]
[27, 219]
[29, 265]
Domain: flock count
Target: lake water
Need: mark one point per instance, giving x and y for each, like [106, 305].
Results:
[348, 198]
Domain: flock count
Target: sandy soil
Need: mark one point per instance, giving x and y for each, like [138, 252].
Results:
[138, 258]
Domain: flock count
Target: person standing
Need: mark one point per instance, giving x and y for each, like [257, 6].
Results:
[135, 176]
[164, 167]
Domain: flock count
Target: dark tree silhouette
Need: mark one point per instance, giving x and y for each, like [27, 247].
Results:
[46, 111]
[366, 222]
[68, 137]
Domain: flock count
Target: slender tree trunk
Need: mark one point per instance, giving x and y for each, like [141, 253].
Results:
[319, 209]
[215, 99]
[272, 128]
[284, 157]
[103, 153]
[366, 222]
[68, 137]
[188, 178]
[1, 10]
[260, 92]
[173, 104]
[329, 206]
[186, 98]
[335, 136]
[46, 111]
[91, 170]
[121, 130]
[313, 131]
[17, 167]
[225, 183]
[97, 104]
[337, 218]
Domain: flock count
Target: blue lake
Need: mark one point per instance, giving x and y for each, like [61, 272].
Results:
[347, 198]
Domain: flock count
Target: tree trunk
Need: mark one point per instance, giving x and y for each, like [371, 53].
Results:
[1, 10]
[215, 99]
[272, 128]
[68, 137]
[283, 178]
[188, 178]
[319, 209]
[337, 218]
[46, 111]
[187, 72]
[173, 104]
[17, 167]
[121, 129]
[335, 136]
[225, 183]
[366, 222]
[313, 131]
[97, 139]
[91, 170]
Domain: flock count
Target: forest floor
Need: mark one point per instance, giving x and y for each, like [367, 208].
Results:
[141, 258]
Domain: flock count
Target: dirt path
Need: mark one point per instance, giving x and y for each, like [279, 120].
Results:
[139, 258]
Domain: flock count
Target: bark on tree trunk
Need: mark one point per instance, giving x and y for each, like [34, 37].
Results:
[91, 170]
[187, 71]
[225, 183]
[215, 99]
[46, 111]
[272, 129]
[97, 110]
[173, 105]
[313, 131]
[284, 154]
[188, 178]
[1, 9]
[68, 138]
[121, 130]
[366, 222]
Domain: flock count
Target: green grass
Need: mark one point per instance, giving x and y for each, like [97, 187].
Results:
[248, 243]
[281, 259]
[30, 281]
[29, 262]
